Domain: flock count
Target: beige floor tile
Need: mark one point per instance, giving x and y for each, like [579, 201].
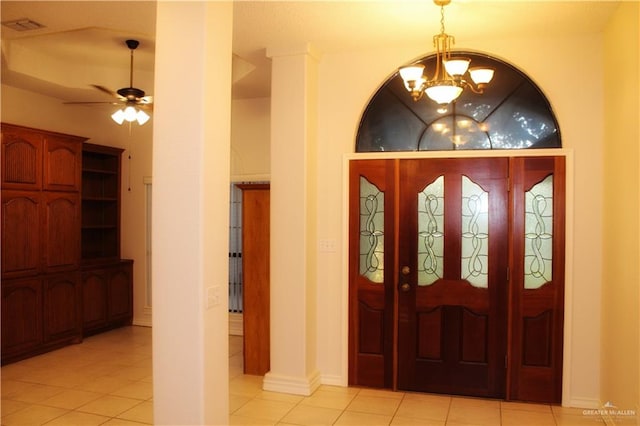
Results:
[424, 408]
[104, 384]
[267, 410]
[32, 415]
[310, 415]
[36, 393]
[328, 399]
[13, 387]
[277, 396]
[360, 419]
[407, 421]
[75, 418]
[109, 405]
[474, 415]
[237, 401]
[71, 399]
[246, 385]
[339, 389]
[235, 420]
[381, 393]
[525, 406]
[526, 418]
[374, 405]
[142, 413]
[10, 406]
[465, 403]
[578, 420]
[137, 390]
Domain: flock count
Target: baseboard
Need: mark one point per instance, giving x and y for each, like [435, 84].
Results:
[143, 322]
[292, 385]
[333, 380]
[588, 403]
[235, 324]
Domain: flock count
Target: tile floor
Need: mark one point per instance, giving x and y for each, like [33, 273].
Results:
[106, 380]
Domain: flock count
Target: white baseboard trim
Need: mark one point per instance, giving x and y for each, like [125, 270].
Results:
[143, 322]
[289, 384]
[589, 403]
[236, 327]
[333, 380]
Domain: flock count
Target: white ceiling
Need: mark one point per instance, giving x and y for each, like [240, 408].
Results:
[83, 41]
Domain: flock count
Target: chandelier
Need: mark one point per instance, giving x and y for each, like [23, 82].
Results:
[450, 77]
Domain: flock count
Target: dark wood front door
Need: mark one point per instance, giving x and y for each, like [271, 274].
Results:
[456, 276]
[452, 278]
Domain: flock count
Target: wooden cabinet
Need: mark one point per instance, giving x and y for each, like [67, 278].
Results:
[61, 307]
[21, 234]
[107, 296]
[40, 160]
[40, 216]
[21, 317]
[60, 215]
[61, 231]
[100, 203]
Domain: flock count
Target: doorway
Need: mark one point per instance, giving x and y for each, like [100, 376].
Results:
[456, 276]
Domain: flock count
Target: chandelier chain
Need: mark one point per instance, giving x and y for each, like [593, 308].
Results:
[441, 19]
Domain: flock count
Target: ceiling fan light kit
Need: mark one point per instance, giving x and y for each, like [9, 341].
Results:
[449, 79]
[132, 98]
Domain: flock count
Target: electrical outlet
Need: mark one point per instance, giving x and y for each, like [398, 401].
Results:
[213, 296]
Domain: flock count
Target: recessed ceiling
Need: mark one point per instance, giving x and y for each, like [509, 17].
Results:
[82, 42]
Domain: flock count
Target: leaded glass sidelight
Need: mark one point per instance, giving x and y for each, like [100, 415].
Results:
[475, 234]
[371, 231]
[431, 232]
[538, 234]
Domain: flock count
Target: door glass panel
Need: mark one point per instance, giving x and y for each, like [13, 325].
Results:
[431, 232]
[371, 231]
[538, 234]
[475, 234]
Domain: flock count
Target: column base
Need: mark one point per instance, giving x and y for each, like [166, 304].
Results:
[290, 384]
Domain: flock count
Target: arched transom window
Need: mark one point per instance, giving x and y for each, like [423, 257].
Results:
[512, 113]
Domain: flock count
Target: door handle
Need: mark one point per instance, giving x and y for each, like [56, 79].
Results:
[405, 270]
[405, 287]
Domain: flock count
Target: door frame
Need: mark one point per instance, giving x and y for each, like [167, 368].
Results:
[569, 224]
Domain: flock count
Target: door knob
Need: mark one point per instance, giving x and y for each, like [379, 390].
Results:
[405, 270]
[405, 287]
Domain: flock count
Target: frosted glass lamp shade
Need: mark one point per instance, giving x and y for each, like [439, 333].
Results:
[481, 75]
[412, 76]
[456, 67]
[443, 94]
[130, 114]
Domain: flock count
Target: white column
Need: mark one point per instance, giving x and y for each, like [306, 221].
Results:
[293, 221]
[191, 147]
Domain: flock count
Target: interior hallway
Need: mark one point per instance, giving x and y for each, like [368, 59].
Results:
[107, 380]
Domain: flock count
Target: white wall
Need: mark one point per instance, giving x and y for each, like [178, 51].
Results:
[621, 250]
[250, 130]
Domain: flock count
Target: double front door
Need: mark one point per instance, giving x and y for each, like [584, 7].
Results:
[456, 276]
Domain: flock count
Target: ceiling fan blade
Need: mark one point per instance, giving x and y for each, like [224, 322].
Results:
[146, 100]
[107, 91]
[92, 103]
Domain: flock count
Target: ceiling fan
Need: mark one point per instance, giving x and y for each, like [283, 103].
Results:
[130, 97]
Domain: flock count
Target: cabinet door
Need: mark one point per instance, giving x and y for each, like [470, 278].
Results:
[21, 316]
[62, 231]
[94, 299]
[62, 307]
[21, 158]
[21, 235]
[120, 294]
[62, 163]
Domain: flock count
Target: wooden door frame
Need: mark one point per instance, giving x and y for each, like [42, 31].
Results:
[569, 224]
